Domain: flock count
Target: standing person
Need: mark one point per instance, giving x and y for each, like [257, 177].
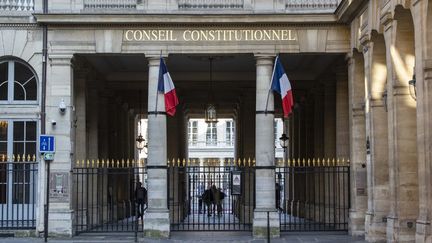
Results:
[141, 198]
[278, 189]
[207, 198]
[217, 201]
[200, 196]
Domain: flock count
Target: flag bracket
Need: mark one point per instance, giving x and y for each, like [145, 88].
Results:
[265, 112]
[156, 113]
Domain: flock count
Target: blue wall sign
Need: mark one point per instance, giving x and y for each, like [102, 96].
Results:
[46, 144]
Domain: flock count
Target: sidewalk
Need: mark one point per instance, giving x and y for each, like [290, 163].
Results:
[202, 237]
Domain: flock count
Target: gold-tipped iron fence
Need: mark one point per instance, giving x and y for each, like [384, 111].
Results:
[18, 158]
[109, 163]
[313, 162]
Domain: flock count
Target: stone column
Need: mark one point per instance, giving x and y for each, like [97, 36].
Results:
[329, 119]
[318, 121]
[423, 41]
[265, 153]
[341, 180]
[342, 121]
[93, 153]
[424, 220]
[157, 221]
[402, 130]
[80, 92]
[60, 88]
[376, 132]
[357, 138]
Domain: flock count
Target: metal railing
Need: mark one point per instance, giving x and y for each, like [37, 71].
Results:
[313, 194]
[211, 197]
[210, 4]
[105, 194]
[211, 143]
[318, 6]
[110, 4]
[17, 5]
[18, 192]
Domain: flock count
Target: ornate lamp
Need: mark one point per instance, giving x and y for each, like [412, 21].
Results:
[284, 141]
[210, 111]
[140, 141]
[384, 98]
[412, 86]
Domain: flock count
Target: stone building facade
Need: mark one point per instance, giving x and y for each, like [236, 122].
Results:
[360, 72]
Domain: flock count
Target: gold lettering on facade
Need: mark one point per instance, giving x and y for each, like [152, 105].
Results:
[210, 35]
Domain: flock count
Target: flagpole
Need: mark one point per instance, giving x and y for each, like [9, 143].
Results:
[271, 81]
[157, 86]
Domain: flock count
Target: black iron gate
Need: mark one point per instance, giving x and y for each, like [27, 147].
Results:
[105, 195]
[313, 195]
[211, 195]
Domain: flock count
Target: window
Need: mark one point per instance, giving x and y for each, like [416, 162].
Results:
[17, 144]
[229, 135]
[17, 82]
[193, 132]
[211, 135]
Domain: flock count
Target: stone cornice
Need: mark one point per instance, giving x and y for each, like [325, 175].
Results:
[146, 19]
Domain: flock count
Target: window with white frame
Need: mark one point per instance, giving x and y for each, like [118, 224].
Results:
[229, 133]
[17, 82]
[193, 132]
[17, 144]
[211, 134]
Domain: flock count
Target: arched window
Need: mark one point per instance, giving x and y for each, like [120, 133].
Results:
[18, 82]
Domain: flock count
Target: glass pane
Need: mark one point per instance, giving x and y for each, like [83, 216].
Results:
[3, 130]
[30, 148]
[30, 131]
[22, 73]
[3, 151]
[3, 81]
[25, 83]
[18, 131]
[31, 89]
[18, 148]
[19, 92]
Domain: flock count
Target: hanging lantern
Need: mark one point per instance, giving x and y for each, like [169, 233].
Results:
[140, 142]
[210, 111]
[210, 114]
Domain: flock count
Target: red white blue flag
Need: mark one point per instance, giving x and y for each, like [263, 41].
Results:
[166, 86]
[281, 84]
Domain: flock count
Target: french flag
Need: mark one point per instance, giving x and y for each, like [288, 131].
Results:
[281, 84]
[166, 86]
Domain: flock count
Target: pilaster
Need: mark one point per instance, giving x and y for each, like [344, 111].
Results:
[157, 218]
[265, 205]
[376, 132]
[356, 89]
[60, 89]
[403, 174]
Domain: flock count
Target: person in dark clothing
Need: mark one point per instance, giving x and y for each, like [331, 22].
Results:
[278, 191]
[207, 198]
[200, 197]
[141, 199]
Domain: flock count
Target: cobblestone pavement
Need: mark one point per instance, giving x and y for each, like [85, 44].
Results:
[207, 237]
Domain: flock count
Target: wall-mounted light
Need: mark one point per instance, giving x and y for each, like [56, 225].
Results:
[412, 86]
[284, 141]
[62, 107]
[384, 98]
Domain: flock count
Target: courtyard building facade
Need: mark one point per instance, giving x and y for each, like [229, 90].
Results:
[352, 156]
